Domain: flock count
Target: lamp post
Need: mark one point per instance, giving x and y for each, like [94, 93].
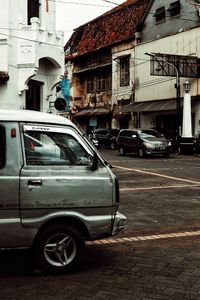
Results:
[187, 140]
[178, 104]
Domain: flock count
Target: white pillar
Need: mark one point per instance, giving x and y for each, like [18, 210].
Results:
[187, 118]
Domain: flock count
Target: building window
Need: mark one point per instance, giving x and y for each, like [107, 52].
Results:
[160, 14]
[125, 71]
[33, 9]
[174, 9]
[198, 68]
[90, 84]
[104, 80]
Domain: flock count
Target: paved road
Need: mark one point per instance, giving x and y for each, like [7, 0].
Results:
[156, 257]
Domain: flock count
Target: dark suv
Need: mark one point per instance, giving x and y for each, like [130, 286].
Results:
[143, 142]
[106, 137]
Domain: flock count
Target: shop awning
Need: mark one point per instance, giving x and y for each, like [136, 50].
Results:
[158, 105]
[92, 68]
[100, 111]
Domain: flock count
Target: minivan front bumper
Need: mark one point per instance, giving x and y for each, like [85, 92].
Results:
[119, 223]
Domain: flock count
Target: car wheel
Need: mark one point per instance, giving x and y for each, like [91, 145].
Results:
[140, 153]
[58, 248]
[166, 155]
[121, 151]
[112, 145]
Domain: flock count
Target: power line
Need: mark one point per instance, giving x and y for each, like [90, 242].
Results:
[79, 3]
[30, 40]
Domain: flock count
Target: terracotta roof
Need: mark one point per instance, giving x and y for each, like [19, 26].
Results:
[4, 76]
[114, 26]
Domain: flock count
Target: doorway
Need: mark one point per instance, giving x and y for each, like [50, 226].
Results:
[33, 95]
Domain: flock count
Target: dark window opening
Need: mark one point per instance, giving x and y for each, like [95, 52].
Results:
[33, 9]
[103, 81]
[90, 84]
[198, 68]
[33, 95]
[160, 14]
[2, 147]
[174, 9]
[125, 71]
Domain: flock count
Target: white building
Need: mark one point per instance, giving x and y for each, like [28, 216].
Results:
[32, 55]
[155, 96]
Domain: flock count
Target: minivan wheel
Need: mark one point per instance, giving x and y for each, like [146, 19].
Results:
[140, 153]
[121, 151]
[59, 248]
[112, 146]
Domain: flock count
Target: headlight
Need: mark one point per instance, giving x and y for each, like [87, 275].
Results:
[169, 143]
[148, 145]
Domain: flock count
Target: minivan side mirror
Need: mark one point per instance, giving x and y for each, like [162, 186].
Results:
[94, 162]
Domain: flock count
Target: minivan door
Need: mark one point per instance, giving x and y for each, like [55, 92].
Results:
[10, 164]
[57, 176]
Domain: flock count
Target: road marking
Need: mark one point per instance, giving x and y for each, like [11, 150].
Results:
[157, 174]
[158, 187]
[144, 238]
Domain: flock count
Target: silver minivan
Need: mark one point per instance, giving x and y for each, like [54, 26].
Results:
[56, 190]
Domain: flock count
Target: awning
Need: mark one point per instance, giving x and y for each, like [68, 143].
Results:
[158, 105]
[92, 68]
[100, 111]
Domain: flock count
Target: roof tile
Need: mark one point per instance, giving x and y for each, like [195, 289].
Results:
[114, 26]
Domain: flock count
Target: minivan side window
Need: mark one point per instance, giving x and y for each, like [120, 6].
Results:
[53, 148]
[2, 147]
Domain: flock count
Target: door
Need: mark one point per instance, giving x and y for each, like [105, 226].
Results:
[10, 226]
[57, 177]
[33, 95]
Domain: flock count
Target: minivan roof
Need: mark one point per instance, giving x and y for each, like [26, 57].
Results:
[32, 116]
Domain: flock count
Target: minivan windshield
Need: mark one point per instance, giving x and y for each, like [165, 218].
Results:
[146, 134]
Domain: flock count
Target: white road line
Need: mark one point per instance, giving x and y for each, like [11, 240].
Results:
[144, 238]
[158, 187]
[157, 174]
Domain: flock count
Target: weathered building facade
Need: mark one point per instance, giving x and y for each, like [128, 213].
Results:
[32, 54]
[109, 53]
[99, 64]
[170, 32]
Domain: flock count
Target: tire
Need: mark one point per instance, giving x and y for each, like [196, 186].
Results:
[166, 155]
[140, 153]
[112, 146]
[121, 151]
[58, 248]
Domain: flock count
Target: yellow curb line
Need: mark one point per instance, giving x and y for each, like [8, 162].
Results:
[144, 238]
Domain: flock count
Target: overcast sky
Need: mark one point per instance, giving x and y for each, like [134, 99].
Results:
[73, 13]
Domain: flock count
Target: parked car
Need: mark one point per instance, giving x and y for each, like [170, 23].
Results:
[106, 137]
[57, 191]
[94, 140]
[143, 142]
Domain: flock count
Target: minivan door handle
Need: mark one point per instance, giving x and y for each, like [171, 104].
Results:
[35, 182]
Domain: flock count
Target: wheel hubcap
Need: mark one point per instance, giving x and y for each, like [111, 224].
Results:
[60, 250]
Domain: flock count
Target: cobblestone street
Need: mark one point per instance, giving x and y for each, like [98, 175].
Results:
[157, 256]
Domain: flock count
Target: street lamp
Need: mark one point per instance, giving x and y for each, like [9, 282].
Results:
[187, 140]
[178, 105]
